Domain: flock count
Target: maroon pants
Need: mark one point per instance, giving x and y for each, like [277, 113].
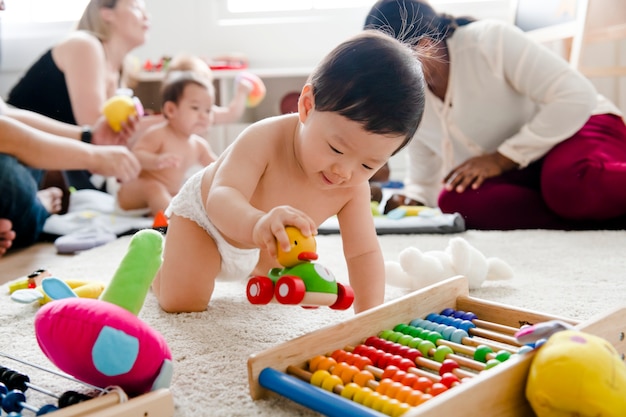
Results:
[580, 184]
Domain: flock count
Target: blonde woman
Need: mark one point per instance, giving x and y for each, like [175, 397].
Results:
[71, 81]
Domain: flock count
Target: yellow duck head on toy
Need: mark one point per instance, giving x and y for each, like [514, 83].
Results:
[302, 249]
[576, 374]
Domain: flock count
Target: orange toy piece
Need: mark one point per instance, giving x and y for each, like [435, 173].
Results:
[160, 222]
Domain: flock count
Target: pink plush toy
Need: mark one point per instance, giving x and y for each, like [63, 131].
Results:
[102, 341]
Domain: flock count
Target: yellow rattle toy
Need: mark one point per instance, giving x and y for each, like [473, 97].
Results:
[119, 108]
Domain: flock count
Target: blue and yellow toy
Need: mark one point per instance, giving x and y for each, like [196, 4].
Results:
[29, 289]
[301, 281]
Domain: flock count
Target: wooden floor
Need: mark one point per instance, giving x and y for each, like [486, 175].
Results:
[24, 261]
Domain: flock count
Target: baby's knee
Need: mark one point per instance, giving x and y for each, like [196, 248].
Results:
[189, 304]
[179, 301]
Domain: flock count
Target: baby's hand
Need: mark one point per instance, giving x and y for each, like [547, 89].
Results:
[168, 160]
[244, 86]
[270, 228]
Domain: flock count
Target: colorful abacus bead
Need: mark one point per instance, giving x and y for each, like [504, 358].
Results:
[364, 395]
[14, 380]
[14, 401]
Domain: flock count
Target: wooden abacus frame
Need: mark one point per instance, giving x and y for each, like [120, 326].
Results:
[158, 403]
[501, 390]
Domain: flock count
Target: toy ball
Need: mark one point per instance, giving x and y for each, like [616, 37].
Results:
[119, 108]
[575, 374]
[109, 345]
[102, 341]
[258, 88]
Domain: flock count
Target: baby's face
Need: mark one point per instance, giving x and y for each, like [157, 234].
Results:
[338, 152]
[194, 111]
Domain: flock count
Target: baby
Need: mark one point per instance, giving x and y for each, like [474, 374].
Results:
[169, 150]
[361, 105]
[235, 108]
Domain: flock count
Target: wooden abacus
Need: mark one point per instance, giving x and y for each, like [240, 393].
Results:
[111, 403]
[499, 390]
[158, 403]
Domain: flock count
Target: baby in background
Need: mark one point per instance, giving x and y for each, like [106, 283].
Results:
[243, 87]
[170, 149]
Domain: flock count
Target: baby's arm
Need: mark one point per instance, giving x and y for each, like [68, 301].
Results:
[236, 180]
[147, 150]
[362, 252]
[204, 151]
[236, 107]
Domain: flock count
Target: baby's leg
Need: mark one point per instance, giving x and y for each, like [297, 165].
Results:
[143, 193]
[191, 261]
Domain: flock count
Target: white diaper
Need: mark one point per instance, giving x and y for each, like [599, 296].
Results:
[236, 263]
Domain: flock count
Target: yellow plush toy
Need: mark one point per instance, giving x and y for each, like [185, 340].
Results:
[576, 374]
[29, 289]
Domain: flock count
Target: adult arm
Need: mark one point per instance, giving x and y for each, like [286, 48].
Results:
[43, 150]
[82, 60]
[422, 182]
[564, 97]
[101, 132]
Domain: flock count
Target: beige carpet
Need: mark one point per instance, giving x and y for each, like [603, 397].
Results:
[572, 274]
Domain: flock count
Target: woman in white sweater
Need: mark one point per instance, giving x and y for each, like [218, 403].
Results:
[512, 136]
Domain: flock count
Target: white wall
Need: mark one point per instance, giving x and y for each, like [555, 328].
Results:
[291, 42]
[194, 26]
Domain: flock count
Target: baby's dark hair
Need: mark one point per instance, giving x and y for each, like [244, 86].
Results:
[374, 80]
[412, 20]
[176, 81]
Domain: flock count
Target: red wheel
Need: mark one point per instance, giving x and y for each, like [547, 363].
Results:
[289, 290]
[345, 297]
[260, 290]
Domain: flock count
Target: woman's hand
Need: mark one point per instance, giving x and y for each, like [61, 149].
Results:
[270, 228]
[115, 161]
[104, 135]
[474, 171]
